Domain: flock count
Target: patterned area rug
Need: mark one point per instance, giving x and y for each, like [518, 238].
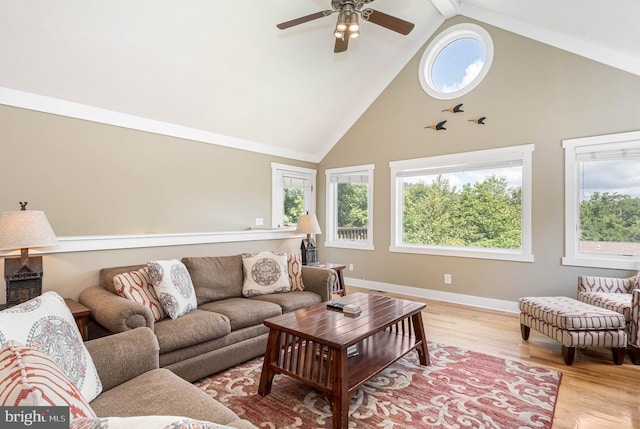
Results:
[460, 389]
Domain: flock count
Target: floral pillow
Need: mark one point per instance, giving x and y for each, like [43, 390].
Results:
[137, 286]
[30, 378]
[173, 286]
[264, 273]
[46, 324]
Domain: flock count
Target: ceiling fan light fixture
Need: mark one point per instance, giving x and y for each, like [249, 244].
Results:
[354, 26]
[338, 34]
[354, 34]
[342, 22]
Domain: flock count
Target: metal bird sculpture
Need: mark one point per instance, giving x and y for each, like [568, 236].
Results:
[455, 109]
[439, 126]
[479, 120]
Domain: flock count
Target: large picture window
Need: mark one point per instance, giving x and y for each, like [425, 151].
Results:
[292, 193]
[349, 207]
[474, 204]
[602, 207]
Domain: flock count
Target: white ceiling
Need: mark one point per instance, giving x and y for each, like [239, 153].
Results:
[221, 72]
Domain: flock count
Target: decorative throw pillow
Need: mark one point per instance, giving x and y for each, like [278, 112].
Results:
[294, 263]
[173, 286]
[144, 422]
[46, 324]
[137, 286]
[30, 378]
[264, 273]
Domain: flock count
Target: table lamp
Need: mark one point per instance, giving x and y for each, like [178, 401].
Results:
[21, 230]
[308, 224]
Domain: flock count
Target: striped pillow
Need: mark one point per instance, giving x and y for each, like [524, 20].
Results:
[30, 378]
[137, 287]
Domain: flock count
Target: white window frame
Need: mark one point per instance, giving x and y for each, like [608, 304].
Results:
[572, 148]
[332, 210]
[278, 172]
[464, 161]
[440, 42]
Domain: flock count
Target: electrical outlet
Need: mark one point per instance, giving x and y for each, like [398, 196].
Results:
[447, 279]
[350, 267]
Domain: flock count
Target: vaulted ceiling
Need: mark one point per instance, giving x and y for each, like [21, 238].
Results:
[221, 72]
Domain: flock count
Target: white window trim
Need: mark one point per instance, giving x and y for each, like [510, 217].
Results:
[277, 191]
[331, 240]
[573, 256]
[441, 41]
[521, 152]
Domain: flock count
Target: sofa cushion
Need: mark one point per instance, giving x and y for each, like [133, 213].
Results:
[137, 286]
[291, 301]
[161, 392]
[294, 266]
[265, 272]
[215, 278]
[143, 422]
[243, 312]
[46, 324]
[105, 277]
[173, 285]
[30, 378]
[193, 328]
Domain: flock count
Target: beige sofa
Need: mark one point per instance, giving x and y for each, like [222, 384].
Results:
[224, 330]
[134, 385]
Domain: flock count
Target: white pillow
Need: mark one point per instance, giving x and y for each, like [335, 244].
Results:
[46, 324]
[144, 422]
[264, 273]
[137, 286]
[29, 378]
[173, 285]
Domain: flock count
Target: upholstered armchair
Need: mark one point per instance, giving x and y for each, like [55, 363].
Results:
[617, 294]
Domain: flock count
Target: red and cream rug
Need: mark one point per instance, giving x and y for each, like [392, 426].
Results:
[460, 389]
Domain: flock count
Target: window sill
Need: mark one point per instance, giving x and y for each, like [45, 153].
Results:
[465, 253]
[602, 261]
[349, 245]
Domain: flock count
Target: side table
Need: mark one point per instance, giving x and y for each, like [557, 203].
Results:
[81, 314]
[338, 269]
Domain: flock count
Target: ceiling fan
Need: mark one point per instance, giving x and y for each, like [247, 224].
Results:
[348, 26]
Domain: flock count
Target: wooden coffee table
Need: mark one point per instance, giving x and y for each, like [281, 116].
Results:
[311, 345]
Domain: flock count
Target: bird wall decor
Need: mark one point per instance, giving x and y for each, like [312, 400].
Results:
[455, 109]
[479, 120]
[439, 126]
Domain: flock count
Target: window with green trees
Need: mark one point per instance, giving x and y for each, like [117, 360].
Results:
[472, 204]
[349, 202]
[603, 201]
[292, 193]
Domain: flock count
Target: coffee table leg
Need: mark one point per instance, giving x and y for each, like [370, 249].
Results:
[340, 392]
[423, 349]
[266, 378]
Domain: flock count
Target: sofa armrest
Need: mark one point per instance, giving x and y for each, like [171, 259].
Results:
[115, 313]
[322, 281]
[124, 356]
[606, 284]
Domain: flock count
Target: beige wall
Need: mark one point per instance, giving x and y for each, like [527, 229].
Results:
[533, 94]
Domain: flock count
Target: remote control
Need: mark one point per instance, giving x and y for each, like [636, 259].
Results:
[335, 305]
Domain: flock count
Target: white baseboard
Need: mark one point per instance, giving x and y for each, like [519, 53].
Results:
[457, 298]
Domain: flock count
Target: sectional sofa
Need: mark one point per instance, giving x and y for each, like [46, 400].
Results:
[225, 329]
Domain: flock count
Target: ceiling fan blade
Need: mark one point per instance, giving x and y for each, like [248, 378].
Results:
[304, 19]
[387, 21]
[342, 43]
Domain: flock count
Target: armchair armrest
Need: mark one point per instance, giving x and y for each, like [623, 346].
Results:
[319, 280]
[124, 356]
[115, 313]
[606, 284]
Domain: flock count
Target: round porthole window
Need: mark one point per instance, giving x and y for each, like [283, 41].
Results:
[456, 61]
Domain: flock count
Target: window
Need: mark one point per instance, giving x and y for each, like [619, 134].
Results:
[602, 206]
[349, 207]
[456, 61]
[474, 204]
[293, 192]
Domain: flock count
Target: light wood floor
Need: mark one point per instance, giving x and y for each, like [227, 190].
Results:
[594, 392]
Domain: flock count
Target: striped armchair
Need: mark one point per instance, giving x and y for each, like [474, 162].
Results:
[617, 294]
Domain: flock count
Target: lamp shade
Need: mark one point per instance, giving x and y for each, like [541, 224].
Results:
[25, 229]
[308, 224]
